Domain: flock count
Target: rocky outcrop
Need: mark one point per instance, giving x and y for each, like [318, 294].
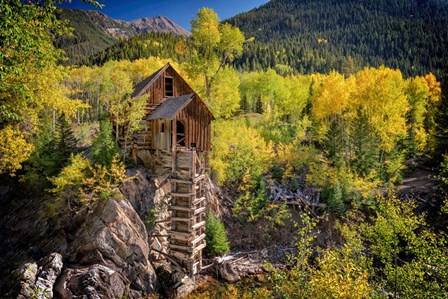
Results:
[148, 195]
[113, 245]
[95, 281]
[139, 191]
[37, 279]
[101, 251]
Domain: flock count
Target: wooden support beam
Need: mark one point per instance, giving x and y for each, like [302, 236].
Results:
[180, 219]
[180, 208]
[198, 200]
[198, 239]
[196, 267]
[199, 248]
[181, 248]
[198, 178]
[200, 210]
[182, 194]
[188, 182]
[183, 234]
[198, 225]
[181, 237]
[182, 256]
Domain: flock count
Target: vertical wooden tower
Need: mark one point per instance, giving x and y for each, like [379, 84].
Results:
[177, 133]
[188, 207]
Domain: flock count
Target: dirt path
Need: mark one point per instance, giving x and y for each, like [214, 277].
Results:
[419, 181]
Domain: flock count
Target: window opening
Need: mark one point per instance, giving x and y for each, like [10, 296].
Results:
[169, 88]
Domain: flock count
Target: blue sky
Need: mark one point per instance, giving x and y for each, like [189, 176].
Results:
[179, 11]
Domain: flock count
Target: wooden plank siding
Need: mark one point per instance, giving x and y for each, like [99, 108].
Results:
[197, 121]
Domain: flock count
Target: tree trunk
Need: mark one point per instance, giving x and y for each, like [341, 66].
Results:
[207, 88]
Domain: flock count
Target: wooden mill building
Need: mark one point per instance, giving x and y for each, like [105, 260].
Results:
[176, 117]
[177, 133]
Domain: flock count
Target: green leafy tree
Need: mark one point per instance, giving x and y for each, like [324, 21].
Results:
[80, 182]
[413, 257]
[215, 45]
[31, 86]
[216, 237]
[53, 150]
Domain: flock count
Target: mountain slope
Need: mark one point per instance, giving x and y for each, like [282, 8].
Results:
[94, 32]
[88, 36]
[319, 35]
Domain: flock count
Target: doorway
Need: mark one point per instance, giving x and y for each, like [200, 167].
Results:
[180, 133]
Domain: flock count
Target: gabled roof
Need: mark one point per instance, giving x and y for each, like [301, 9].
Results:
[170, 107]
[145, 84]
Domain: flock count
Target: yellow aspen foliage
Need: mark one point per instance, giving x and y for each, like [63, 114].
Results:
[14, 149]
[299, 87]
[225, 96]
[205, 29]
[237, 151]
[140, 69]
[72, 175]
[435, 91]
[44, 93]
[418, 95]
[331, 94]
[379, 93]
[339, 278]
[271, 88]
[296, 155]
[342, 272]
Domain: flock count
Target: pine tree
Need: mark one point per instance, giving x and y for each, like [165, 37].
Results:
[216, 237]
[65, 141]
[335, 200]
[104, 147]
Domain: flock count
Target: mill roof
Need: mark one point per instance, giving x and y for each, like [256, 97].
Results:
[169, 108]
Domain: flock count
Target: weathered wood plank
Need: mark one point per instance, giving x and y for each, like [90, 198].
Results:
[200, 210]
[198, 239]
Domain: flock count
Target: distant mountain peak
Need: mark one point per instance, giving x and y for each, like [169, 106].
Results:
[157, 24]
[95, 31]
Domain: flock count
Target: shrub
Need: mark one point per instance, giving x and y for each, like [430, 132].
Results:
[80, 182]
[216, 237]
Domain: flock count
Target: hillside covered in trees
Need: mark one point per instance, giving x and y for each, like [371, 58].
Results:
[319, 36]
[309, 170]
[346, 35]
